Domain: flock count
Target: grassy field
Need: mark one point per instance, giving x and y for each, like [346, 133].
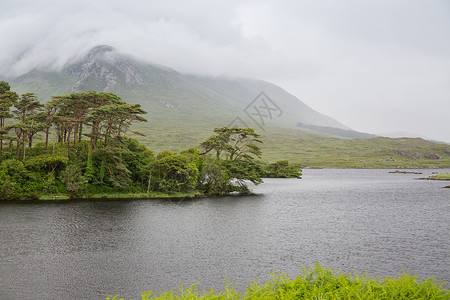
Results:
[316, 283]
[310, 149]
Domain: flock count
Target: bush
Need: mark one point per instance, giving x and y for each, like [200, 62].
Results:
[317, 282]
[173, 173]
[74, 180]
[7, 190]
[282, 169]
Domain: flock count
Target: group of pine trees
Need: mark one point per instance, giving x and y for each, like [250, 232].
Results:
[83, 148]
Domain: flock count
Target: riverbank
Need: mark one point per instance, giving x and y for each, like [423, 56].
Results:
[152, 195]
[316, 282]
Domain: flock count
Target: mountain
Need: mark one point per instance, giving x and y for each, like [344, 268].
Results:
[183, 109]
[168, 95]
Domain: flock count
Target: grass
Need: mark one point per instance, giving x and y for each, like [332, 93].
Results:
[151, 195]
[310, 149]
[440, 177]
[316, 283]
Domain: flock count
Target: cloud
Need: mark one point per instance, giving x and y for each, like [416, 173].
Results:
[346, 58]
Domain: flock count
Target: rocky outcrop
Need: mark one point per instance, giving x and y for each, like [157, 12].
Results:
[105, 69]
[434, 156]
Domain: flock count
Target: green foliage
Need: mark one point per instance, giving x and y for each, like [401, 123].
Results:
[14, 170]
[440, 177]
[173, 173]
[7, 190]
[282, 169]
[4, 87]
[233, 143]
[316, 283]
[74, 180]
[47, 163]
[213, 179]
[236, 149]
[89, 172]
[165, 153]
[109, 161]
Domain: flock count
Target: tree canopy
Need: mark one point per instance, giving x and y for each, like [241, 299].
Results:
[78, 143]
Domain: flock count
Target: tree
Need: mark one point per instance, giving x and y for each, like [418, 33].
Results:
[173, 173]
[233, 143]
[74, 180]
[7, 100]
[213, 179]
[236, 150]
[4, 87]
[27, 112]
[282, 169]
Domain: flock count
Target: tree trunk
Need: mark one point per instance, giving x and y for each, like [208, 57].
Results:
[17, 149]
[24, 149]
[80, 133]
[68, 144]
[149, 179]
[75, 133]
[46, 138]
[23, 146]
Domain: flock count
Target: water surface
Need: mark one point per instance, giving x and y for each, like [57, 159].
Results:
[363, 220]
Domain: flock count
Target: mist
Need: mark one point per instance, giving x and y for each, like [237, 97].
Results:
[376, 66]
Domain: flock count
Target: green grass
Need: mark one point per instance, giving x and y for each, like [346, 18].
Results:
[314, 150]
[440, 177]
[317, 283]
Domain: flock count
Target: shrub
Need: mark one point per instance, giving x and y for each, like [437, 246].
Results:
[317, 282]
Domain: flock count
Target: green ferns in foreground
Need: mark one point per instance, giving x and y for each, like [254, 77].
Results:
[318, 282]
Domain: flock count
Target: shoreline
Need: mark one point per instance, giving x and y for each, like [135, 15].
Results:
[125, 196]
[117, 196]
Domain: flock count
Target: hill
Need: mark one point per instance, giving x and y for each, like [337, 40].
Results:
[183, 109]
[169, 95]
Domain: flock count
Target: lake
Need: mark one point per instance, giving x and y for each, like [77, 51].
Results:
[355, 220]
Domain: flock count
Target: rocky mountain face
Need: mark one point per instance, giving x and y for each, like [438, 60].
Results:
[176, 100]
[104, 69]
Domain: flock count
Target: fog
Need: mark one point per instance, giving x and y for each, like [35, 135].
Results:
[376, 66]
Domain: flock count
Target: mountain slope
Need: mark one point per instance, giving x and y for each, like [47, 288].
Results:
[183, 110]
[170, 95]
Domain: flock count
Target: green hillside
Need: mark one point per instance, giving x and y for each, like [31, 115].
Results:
[184, 109]
[312, 150]
[315, 150]
[169, 94]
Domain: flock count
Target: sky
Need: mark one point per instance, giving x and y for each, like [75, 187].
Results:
[377, 66]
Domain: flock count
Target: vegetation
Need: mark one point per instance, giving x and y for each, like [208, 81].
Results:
[185, 108]
[439, 177]
[89, 152]
[317, 282]
[309, 149]
[282, 169]
[320, 151]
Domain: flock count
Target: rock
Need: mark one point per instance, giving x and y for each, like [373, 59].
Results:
[435, 156]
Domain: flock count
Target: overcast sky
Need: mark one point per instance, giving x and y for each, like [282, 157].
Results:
[377, 66]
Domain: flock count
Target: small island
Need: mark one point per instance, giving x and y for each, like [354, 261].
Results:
[437, 177]
[85, 151]
[405, 172]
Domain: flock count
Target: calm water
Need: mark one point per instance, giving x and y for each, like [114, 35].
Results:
[363, 220]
